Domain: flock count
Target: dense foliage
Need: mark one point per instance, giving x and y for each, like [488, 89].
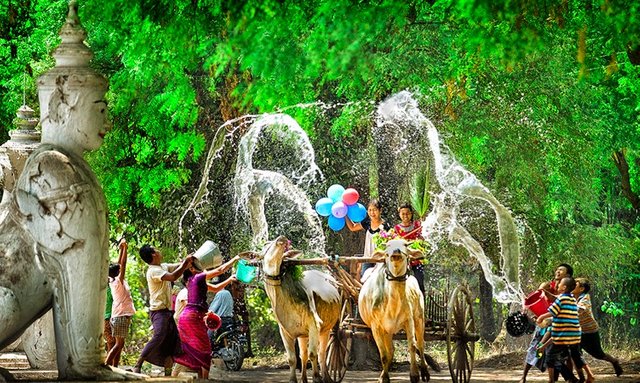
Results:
[541, 100]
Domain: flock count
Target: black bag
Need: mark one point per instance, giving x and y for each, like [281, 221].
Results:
[519, 324]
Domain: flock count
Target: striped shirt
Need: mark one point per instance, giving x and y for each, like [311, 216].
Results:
[565, 329]
[585, 314]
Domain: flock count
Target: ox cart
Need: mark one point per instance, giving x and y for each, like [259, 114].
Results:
[448, 318]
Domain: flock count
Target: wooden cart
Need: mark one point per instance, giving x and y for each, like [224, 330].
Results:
[448, 318]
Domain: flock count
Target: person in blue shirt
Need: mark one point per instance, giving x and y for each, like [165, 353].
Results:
[221, 305]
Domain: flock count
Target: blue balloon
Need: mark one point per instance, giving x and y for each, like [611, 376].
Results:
[335, 192]
[356, 212]
[336, 224]
[323, 206]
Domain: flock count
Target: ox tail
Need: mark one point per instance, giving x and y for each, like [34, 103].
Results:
[430, 361]
[314, 310]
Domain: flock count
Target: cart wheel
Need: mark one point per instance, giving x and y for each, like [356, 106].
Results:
[460, 346]
[339, 347]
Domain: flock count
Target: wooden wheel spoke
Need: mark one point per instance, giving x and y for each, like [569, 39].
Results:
[470, 324]
[460, 325]
[454, 348]
[339, 346]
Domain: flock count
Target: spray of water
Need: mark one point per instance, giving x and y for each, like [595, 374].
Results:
[223, 133]
[399, 119]
[400, 112]
[253, 186]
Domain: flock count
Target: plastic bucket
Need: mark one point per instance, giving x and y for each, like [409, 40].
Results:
[245, 272]
[208, 256]
[537, 302]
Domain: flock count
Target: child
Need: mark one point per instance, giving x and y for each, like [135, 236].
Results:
[373, 223]
[565, 331]
[550, 288]
[108, 336]
[546, 337]
[410, 229]
[590, 340]
[535, 355]
[123, 308]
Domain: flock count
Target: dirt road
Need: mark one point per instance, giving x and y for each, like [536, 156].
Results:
[19, 368]
[402, 375]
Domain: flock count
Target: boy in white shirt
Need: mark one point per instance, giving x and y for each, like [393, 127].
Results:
[165, 342]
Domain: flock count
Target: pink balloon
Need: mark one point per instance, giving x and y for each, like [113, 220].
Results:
[350, 196]
[339, 209]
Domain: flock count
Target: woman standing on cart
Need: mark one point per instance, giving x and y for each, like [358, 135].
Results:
[373, 224]
[409, 229]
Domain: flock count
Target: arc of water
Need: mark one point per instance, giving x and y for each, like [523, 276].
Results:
[224, 132]
[252, 186]
[455, 181]
[266, 182]
[249, 143]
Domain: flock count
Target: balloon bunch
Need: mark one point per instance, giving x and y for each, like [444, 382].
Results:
[340, 203]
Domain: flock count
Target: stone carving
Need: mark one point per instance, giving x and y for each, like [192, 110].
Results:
[54, 237]
[38, 340]
[14, 153]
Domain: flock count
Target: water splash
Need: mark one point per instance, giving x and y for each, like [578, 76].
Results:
[253, 186]
[223, 133]
[263, 181]
[401, 113]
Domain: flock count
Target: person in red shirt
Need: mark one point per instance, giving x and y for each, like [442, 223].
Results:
[551, 288]
[410, 230]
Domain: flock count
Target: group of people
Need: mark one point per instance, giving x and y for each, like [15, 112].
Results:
[567, 328]
[184, 345]
[178, 343]
[182, 340]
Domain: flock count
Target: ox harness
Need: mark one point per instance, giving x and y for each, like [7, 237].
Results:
[391, 277]
[273, 280]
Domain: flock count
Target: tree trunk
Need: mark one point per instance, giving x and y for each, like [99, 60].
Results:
[634, 55]
[623, 167]
[488, 329]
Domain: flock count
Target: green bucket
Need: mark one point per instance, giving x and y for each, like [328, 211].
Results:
[245, 272]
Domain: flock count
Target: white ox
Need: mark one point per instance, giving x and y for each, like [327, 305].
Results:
[306, 309]
[390, 300]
